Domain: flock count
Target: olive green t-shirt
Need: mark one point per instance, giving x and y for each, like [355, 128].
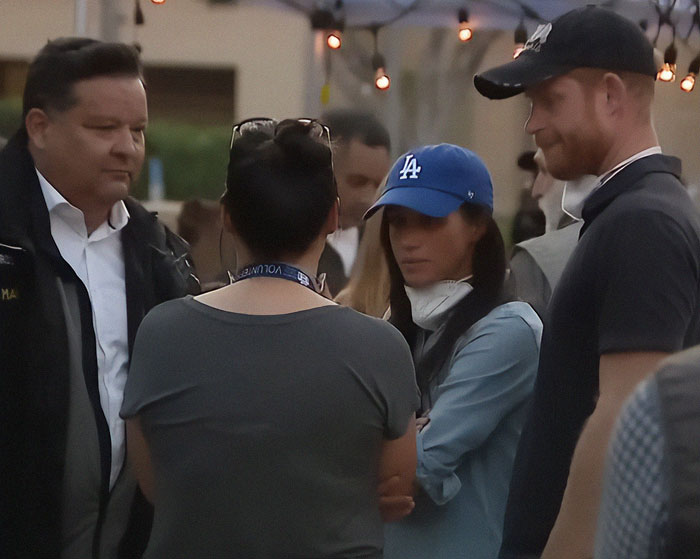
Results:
[265, 430]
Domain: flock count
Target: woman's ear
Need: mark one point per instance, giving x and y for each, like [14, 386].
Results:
[479, 228]
[226, 220]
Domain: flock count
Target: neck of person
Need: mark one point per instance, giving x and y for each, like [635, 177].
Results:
[628, 144]
[94, 219]
[270, 295]
[94, 214]
[306, 262]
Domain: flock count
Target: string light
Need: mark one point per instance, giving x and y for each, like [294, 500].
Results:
[332, 22]
[688, 83]
[520, 38]
[382, 81]
[465, 31]
[334, 40]
[667, 73]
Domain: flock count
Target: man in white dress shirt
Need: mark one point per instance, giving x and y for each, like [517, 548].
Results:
[361, 160]
[80, 265]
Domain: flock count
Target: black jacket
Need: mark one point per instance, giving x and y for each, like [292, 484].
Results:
[34, 373]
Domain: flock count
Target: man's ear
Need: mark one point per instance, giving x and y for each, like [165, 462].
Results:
[616, 93]
[36, 123]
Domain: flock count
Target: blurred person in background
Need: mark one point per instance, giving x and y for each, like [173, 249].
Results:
[362, 159]
[529, 220]
[537, 264]
[282, 411]
[475, 351]
[80, 265]
[199, 223]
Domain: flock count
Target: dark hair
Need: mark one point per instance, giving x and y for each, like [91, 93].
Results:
[526, 161]
[488, 271]
[349, 124]
[63, 62]
[280, 188]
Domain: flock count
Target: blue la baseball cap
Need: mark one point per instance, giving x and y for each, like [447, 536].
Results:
[437, 180]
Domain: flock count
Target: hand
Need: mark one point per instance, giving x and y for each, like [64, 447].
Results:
[393, 507]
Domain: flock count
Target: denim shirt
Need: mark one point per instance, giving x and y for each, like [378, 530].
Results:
[477, 405]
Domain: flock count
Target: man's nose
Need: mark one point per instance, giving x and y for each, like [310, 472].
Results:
[126, 143]
[532, 124]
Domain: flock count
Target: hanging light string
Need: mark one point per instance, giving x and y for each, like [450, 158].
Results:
[664, 16]
[695, 23]
[465, 31]
[382, 81]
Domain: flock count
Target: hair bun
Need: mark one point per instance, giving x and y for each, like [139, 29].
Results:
[296, 140]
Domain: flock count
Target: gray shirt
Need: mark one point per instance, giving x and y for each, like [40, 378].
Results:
[265, 430]
[537, 265]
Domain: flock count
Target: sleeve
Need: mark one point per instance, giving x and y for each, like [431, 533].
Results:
[489, 377]
[647, 284]
[634, 508]
[529, 281]
[396, 383]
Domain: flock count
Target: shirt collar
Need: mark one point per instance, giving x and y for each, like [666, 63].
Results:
[627, 179]
[576, 192]
[55, 201]
[605, 177]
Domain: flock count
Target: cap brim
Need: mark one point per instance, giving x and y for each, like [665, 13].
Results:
[514, 77]
[428, 201]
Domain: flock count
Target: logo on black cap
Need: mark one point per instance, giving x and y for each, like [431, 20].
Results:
[539, 37]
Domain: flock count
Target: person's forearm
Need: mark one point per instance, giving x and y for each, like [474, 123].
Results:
[573, 534]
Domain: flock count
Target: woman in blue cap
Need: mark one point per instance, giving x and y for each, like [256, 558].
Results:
[475, 350]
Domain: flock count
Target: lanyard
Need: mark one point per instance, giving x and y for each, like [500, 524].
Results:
[282, 271]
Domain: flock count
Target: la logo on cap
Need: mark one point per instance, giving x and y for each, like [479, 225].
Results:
[411, 169]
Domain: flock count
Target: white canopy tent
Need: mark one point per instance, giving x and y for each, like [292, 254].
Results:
[484, 14]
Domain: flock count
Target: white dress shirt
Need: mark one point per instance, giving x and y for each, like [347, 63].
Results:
[98, 260]
[345, 242]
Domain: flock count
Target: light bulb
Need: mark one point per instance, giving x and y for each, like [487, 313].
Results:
[333, 40]
[382, 80]
[667, 72]
[465, 32]
[688, 83]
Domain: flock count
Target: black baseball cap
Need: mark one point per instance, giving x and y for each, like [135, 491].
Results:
[588, 37]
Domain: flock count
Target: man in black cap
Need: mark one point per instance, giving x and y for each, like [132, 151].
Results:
[630, 292]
